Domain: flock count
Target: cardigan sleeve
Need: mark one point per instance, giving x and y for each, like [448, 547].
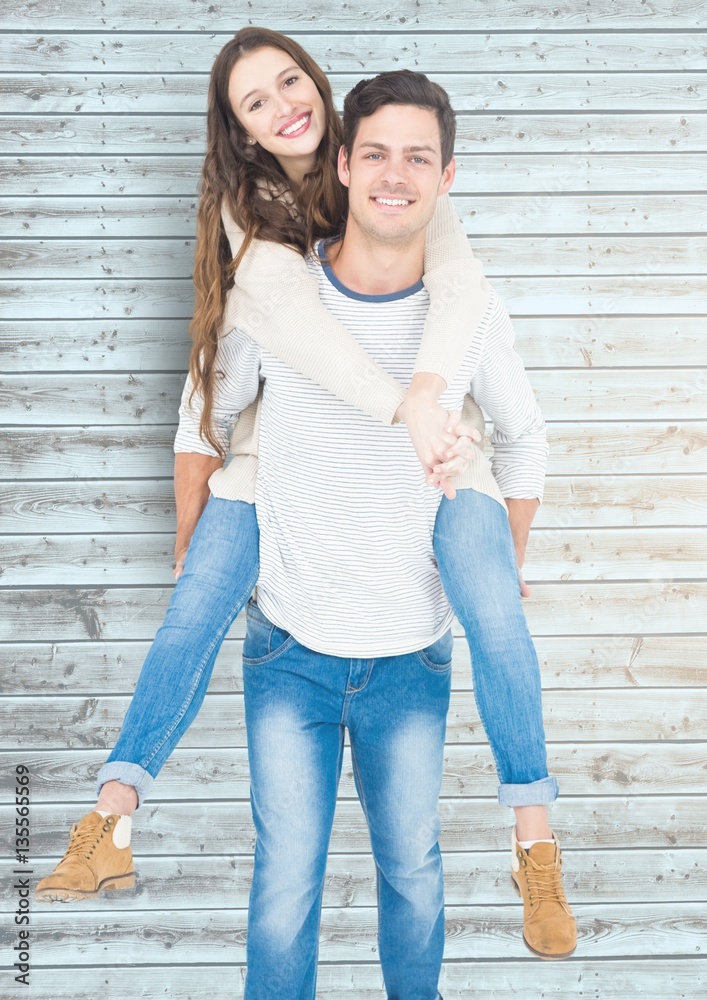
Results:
[275, 300]
[459, 294]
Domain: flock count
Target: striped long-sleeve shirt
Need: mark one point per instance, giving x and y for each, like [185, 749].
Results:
[346, 517]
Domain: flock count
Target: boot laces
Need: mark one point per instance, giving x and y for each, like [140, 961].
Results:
[81, 840]
[545, 883]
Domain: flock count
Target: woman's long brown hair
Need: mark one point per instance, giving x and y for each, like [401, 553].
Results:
[232, 170]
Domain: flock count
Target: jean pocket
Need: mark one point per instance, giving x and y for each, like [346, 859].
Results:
[264, 641]
[438, 655]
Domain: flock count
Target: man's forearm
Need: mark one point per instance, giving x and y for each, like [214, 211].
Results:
[191, 491]
[520, 516]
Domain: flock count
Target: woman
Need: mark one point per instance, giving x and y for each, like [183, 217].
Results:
[269, 183]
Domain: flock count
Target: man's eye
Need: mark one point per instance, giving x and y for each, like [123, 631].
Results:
[373, 156]
[419, 159]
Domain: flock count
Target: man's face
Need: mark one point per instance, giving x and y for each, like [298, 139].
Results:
[394, 174]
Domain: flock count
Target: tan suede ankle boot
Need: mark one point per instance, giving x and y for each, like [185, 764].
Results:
[549, 927]
[91, 864]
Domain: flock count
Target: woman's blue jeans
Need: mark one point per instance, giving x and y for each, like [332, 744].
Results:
[476, 558]
[298, 704]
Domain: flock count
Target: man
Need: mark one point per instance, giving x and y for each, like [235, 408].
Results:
[350, 625]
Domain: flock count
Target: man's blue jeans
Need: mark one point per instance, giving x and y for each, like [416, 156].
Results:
[297, 706]
[474, 550]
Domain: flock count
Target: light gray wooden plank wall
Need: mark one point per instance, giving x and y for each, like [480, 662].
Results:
[582, 155]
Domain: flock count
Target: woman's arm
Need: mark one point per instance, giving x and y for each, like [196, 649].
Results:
[459, 295]
[276, 302]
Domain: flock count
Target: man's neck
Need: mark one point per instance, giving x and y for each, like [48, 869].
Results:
[373, 268]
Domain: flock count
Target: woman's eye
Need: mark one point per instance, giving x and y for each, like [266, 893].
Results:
[255, 106]
[290, 79]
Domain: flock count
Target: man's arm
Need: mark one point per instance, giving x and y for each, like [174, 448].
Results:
[191, 491]
[238, 361]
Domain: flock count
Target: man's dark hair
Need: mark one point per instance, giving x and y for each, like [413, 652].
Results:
[403, 87]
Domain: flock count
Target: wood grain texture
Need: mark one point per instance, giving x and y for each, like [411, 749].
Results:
[601, 608]
[545, 213]
[501, 257]
[608, 341]
[486, 173]
[585, 395]
[190, 775]
[581, 157]
[596, 823]
[473, 878]
[552, 555]
[145, 505]
[637, 132]
[612, 715]
[579, 662]
[644, 979]
[349, 934]
[149, 93]
[525, 51]
[402, 16]
[604, 449]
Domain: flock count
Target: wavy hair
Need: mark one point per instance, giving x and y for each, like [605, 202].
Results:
[235, 172]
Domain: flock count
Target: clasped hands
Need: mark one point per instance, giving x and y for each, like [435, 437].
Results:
[442, 442]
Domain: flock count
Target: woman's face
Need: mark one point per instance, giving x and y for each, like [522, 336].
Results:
[279, 107]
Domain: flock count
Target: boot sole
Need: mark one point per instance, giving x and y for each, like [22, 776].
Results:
[540, 954]
[59, 895]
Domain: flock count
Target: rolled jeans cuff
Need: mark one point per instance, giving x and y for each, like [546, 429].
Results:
[533, 793]
[129, 774]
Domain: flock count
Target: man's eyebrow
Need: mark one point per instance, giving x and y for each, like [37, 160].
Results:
[250, 93]
[406, 149]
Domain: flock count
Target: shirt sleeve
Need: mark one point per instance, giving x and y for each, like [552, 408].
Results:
[237, 384]
[502, 388]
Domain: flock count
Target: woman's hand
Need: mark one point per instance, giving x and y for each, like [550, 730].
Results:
[457, 457]
[441, 442]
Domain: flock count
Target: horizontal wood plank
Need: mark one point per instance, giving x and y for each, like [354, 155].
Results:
[139, 399]
[553, 555]
[68, 722]
[641, 979]
[148, 505]
[346, 935]
[483, 215]
[472, 879]
[168, 258]
[650, 768]
[604, 449]
[608, 341]
[486, 173]
[593, 823]
[162, 298]
[125, 134]
[85, 668]
[538, 51]
[504, 92]
[406, 16]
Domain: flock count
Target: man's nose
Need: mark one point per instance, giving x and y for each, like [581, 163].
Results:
[395, 171]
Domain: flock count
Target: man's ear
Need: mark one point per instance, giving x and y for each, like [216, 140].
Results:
[447, 178]
[343, 166]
